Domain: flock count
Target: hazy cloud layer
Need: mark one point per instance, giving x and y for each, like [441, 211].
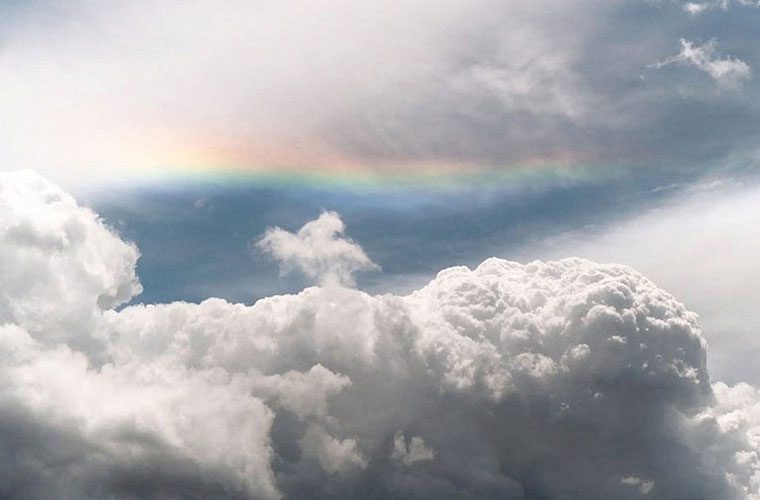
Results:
[546, 380]
[143, 86]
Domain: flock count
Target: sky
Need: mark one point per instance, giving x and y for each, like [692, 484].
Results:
[492, 249]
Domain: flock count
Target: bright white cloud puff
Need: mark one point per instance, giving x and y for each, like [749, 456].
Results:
[319, 250]
[564, 379]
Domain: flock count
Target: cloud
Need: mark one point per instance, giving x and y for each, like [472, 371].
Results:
[310, 99]
[699, 7]
[727, 71]
[334, 456]
[319, 250]
[415, 451]
[60, 263]
[695, 229]
[509, 380]
[645, 487]
[343, 87]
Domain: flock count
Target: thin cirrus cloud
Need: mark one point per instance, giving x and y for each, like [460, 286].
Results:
[508, 380]
[96, 91]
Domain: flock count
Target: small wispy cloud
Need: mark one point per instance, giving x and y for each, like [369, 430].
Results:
[319, 249]
[644, 486]
[699, 7]
[727, 71]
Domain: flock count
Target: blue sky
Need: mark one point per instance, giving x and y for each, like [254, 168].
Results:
[197, 238]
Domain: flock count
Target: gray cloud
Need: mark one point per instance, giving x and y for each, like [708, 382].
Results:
[541, 380]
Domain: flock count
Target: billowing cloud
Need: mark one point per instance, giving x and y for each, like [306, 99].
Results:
[60, 264]
[319, 250]
[541, 380]
[727, 71]
[697, 228]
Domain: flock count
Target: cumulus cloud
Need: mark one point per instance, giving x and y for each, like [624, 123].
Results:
[691, 230]
[60, 263]
[541, 380]
[727, 71]
[319, 250]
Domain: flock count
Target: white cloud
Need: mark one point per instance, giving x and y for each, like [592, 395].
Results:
[123, 86]
[644, 486]
[699, 7]
[702, 244]
[335, 456]
[415, 451]
[558, 378]
[60, 264]
[303, 394]
[729, 72]
[120, 91]
[319, 250]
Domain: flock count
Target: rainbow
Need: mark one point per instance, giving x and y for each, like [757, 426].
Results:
[179, 156]
[169, 158]
[445, 179]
